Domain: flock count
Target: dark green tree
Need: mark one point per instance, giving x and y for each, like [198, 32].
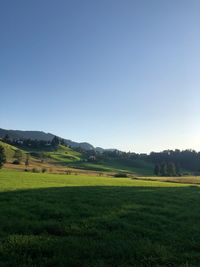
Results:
[178, 169]
[62, 142]
[55, 141]
[171, 169]
[157, 169]
[27, 160]
[163, 169]
[6, 138]
[2, 157]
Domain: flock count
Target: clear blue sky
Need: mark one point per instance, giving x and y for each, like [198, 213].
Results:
[115, 73]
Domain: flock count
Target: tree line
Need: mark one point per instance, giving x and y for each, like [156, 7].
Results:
[167, 162]
[167, 169]
[34, 143]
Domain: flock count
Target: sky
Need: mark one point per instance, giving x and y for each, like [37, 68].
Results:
[116, 73]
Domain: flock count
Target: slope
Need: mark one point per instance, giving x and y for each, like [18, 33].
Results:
[65, 157]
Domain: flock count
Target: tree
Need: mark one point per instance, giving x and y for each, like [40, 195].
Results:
[2, 157]
[6, 138]
[55, 141]
[157, 169]
[18, 155]
[163, 169]
[62, 142]
[27, 160]
[171, 169]
[178, 169]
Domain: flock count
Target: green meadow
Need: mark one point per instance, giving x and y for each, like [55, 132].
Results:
[66, 220]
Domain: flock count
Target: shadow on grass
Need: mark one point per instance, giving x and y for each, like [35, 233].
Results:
[100, 226]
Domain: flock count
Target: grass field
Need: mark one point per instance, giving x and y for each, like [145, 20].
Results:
[137, 167]
[64, 220]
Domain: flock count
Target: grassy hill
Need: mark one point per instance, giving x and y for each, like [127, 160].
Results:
[10, 151]
[59, 220]
[60, 155]
[64, 156]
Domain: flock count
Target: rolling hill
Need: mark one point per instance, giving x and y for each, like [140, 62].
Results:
[63, 157]
[10, 151]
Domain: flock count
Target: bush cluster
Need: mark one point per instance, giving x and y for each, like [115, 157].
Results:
[120, 174]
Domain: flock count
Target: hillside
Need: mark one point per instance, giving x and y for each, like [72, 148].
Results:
[136, 167]
[10, 151]
[63, 157]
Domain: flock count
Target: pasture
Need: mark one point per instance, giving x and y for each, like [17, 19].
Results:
[80, 220]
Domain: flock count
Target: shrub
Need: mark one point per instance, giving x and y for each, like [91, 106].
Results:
[186, 174]
[35, 170]
[120, 174]
[35, 154]
[44, 170]
[16, 162]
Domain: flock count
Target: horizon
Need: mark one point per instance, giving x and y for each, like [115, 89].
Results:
[116, 74]
[96, 146]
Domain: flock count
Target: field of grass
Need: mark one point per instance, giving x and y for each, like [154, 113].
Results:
[137, 167]
[64, 220]
[64, 155]
[195, 180]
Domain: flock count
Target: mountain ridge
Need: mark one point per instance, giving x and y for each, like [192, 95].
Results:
[41, 135]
